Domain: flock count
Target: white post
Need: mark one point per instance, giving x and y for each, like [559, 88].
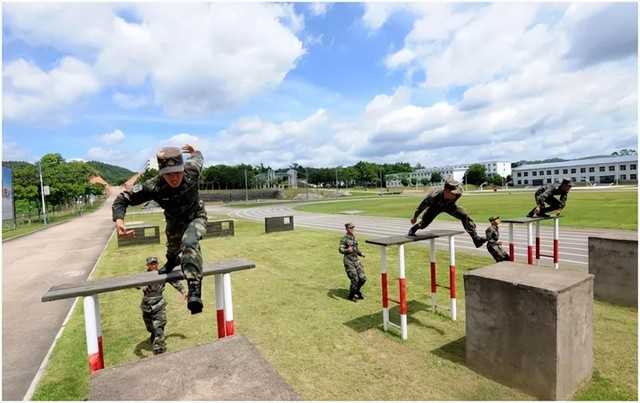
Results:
[452, 277]
[529, 243]
[93, 332]
[228, 305]
[403, 296]
[433, 274]
[385, 288]
[556, 243]
[219, 290]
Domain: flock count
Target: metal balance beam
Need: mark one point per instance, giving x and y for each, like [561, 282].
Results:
[400, 241]
[90, 289]
[529, 221]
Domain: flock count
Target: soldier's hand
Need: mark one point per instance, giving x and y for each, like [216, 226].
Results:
[122, 230]
[188, 148]
[413, 220]
[183, 297]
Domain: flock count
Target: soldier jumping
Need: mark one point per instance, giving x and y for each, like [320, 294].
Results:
[444, 200]
[494, 245]
[546, 193]
[175, 189]
[352, 265]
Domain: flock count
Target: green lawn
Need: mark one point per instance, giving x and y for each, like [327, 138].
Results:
[293, 308]
[584, 208]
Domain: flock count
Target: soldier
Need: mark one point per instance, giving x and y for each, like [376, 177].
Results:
[494, 245]
[352, 265]
[444, 200]
[545, 194]
[175, 189]
[153, 308]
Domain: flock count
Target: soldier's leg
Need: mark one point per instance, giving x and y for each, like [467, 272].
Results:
[495, 253]
[553, 205]
[362, 278]
[352, 273]
[148, 324]
[192, 262]
[468, 224]
[159, 322]
[502, 254]
[427, 218]
[174, 232]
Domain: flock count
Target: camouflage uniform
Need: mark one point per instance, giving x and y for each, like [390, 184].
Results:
[435, 203]
[545, 194]
[352, 265]
[185, 216]
[153, 308]
[494, 248]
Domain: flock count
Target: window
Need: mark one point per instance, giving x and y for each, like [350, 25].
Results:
[557, 171]
[541, 173]
[583, 170]
[519, 182]
[623, 167]
[573, 179]
[548, 180]
[632, 177]
[526, 182]
[565, 171]
[534, 173]
[519, 174]
[623, 177]
[632, 167]
[592, 169]
[612, 167]
[526, 174]
[549, 172]
[592, 179]
[573, 170]
[601, 169]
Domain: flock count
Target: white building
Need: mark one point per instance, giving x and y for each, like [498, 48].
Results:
[151, 164]
[457, 172]
[614, 169]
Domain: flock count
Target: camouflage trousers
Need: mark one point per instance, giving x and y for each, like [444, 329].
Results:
[455, 211]
[155, 323]
[499, 254]
[184, 237]
[356, 275]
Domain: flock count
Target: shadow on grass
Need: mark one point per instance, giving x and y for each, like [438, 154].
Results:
[453, 351]
[338, 293]
[374, 320]
[145, 345]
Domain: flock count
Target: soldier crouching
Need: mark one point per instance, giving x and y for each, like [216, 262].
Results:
[175, 189]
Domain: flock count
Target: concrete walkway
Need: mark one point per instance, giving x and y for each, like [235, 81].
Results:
[31, 264]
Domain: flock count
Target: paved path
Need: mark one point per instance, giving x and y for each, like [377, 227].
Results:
[31, 264]
[573, 242]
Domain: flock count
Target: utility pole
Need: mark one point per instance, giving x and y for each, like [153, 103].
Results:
[44, 206]
[246, 190]
[306, 172]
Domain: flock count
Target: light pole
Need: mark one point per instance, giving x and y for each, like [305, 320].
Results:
[306, 172]
[44, 206]
[246, 190]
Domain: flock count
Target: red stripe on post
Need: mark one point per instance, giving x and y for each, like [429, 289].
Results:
[529, 254]
[434, 285]
[452, 281]
[101, 352]
[403, 296]
[385, 290]
[512, 255]
[94, 363]
[220, 320]
[556, 254]
[538, 248]
[230, 328]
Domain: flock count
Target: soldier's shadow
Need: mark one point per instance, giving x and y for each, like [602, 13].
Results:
[338, 293]
[146, 346]
[374, 320]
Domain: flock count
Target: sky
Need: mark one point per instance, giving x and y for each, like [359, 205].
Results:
[319, 84]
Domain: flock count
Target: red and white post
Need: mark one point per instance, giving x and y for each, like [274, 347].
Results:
[219, 290]
[385, 288]
[537, 242]
[93, 333]
[529, 243]
[512, 249]
[228, 304]
[434, 284]
[452, 276]
[403, 295]
[556, 242]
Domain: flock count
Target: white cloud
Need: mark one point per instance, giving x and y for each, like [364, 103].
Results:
[319, 9]
[376, 14]
[30, 93]
[129, 101]
[12, 151]
[115, 137]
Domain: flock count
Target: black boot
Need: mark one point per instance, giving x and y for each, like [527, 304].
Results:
[412, 230]
[195, 303]
[359, 295]
[352, 296]
[169, 266]
[478, 241]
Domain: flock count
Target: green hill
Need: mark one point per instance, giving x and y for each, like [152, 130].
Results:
[113, 174]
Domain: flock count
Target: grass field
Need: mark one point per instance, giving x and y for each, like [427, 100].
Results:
[584, 209]
[326, 347]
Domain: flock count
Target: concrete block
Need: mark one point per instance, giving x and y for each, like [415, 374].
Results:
[613, 260]
[228, 369]
[530, 328]
[277, 224]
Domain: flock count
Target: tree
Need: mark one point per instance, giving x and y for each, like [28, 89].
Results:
[476, 174]
[436, 177]
[495, 180]
[424, 181]
[404, 181]
[146, 175]
[625, 151]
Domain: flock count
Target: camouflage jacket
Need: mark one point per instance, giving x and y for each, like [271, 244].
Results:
[182, 202]
[152, 299]
[493, 235]
[547, 191]
[436, 200]
[347, 241]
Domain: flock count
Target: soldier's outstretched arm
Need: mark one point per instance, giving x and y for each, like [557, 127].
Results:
[426, 202]
[196, 159]
[548, 192]
[138, 195]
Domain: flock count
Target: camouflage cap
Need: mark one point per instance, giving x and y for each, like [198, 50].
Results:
[152, 259]
[349, 225]
[170, 160]
[453, 186]
[493, 218]
[565, 181]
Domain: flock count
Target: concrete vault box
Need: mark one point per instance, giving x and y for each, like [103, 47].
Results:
[614, 262]
[530, 328]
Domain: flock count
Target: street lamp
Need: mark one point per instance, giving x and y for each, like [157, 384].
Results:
[44, 206]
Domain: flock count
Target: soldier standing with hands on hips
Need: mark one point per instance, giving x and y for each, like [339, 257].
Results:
[175, 189]
[352, 265]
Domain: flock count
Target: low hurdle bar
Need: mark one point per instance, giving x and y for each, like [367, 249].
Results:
[400, 241]
[90, 289]
[529, 221]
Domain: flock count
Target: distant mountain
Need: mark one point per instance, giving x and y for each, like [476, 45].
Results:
[525, 162]
[113, 174]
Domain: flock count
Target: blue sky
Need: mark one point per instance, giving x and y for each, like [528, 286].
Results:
[319, 84]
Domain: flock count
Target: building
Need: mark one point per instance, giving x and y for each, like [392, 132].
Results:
[457, 172]
[588, 171]
[151, 164]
